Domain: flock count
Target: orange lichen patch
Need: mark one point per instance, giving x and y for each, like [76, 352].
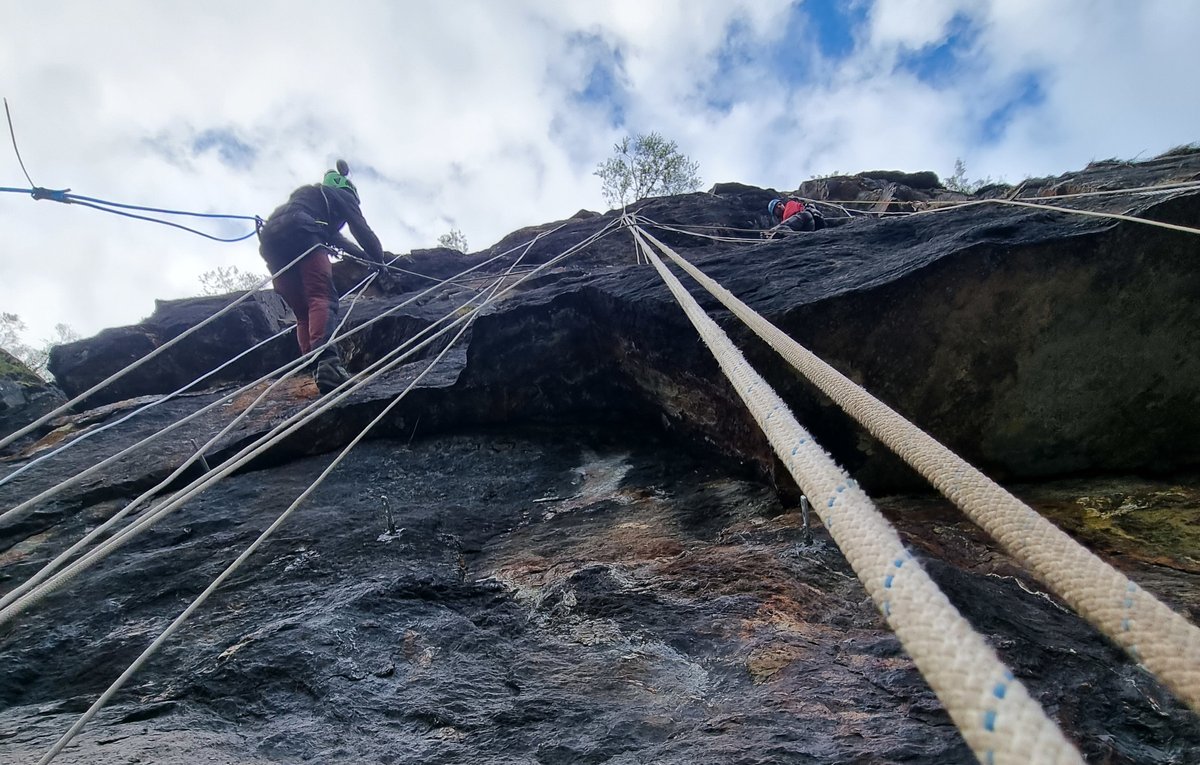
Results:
[22, 549]
[787, 614]
[53, 438]
[730, 570]
[300, 386]
[630, 542]
[766, 662]
[247, 398]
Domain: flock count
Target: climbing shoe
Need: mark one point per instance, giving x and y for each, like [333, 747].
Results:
[329, 375]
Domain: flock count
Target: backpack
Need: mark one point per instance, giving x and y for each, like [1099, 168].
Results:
[808, 206]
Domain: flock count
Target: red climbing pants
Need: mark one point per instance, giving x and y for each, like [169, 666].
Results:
[307, 288]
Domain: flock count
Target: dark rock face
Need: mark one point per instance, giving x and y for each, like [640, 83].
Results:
[543, 597]
[24, 397]
[570, 543]
[79, 365]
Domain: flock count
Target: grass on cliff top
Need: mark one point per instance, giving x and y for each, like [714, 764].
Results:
[1182, 150]
[17, 372]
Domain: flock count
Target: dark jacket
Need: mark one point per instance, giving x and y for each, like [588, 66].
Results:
[315, 215]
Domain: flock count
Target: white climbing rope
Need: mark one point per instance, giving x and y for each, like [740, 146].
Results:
[24, 508]
[93, 432]
[47, 570]
[66, 555]
[260, 445]
[1164, 642]
[152, 354]
[237, 563]
[1056, 208]
[997, 717]
[31, 596]
[943, 206]
[1163, 188]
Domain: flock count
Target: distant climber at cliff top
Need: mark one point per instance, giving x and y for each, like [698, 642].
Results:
[795, 215]
[313, 217]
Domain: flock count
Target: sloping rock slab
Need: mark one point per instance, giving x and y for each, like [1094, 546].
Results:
[533, 597]
[80, 365]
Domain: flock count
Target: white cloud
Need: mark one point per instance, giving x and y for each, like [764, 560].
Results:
[469, 113]
[912, 24]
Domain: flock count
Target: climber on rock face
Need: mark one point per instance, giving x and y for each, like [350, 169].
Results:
[793, 214]
[312, 218]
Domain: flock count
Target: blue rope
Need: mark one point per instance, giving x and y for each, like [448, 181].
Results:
[159, 209]
[171, 224]
[64, 196]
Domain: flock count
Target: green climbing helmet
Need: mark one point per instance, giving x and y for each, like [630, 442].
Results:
[338, 180]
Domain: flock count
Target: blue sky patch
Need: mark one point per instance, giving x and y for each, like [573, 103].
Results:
[1026, 93]
[791, 59]
[229, 148]
[939, 65]
[834, 22]
[816, 27]
[736, 54]
[602, 87]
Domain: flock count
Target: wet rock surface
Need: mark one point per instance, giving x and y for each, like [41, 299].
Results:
[545, 598]
[1017, 337]
[24, 396]
[80, 365]
[571, 544]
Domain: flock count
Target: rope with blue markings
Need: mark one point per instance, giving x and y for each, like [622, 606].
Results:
[998, 719]
[1158, 638]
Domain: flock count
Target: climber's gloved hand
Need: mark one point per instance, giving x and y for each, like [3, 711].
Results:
[383, 278]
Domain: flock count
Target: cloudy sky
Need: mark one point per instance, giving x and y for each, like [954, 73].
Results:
[489, 115]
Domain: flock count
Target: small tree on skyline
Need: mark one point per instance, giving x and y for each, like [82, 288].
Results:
[961, 183]
[646, 165]
[455, 240]
[35, 358]
[221, 280]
